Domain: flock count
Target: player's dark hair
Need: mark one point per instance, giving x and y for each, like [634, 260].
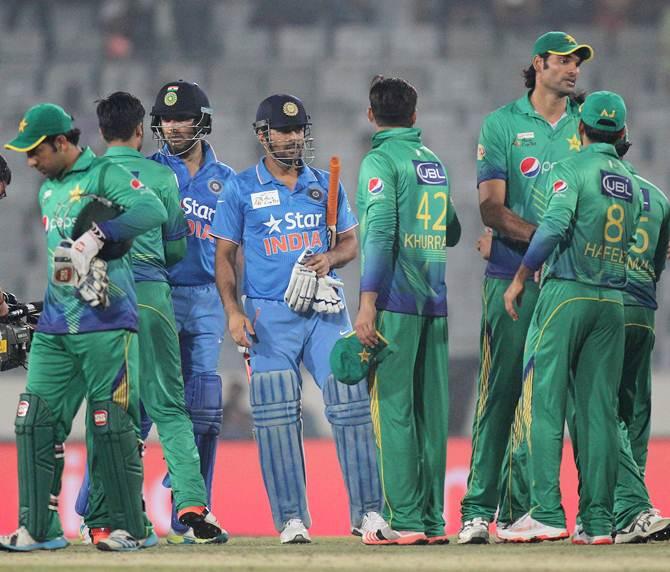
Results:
[72, 136]
[393, 101]
[529, 72]
[600, 136]
[119, 114]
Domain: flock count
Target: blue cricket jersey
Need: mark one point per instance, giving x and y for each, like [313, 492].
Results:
[275, 225]
[198, 196]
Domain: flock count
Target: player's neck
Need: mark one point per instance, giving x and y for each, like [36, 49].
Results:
[288, 177]
[549, 104]
[194, 158]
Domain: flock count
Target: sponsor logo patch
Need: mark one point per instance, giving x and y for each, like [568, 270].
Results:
[100, 418]
[22, 409]
[526, 135]
[481, 152]
[560, 186]
[215, 186]
[430, 173]
[265, 199]
[375, 186]
[530, 167]
[136, 184]
[616, 186]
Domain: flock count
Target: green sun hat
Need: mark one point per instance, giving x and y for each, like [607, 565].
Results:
[604, 110]
[350, 360]
[37, 124]
[561, 44]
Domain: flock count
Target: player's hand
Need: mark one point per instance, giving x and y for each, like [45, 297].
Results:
[94, 288]
[319, 263]
[484, 243]
[239, 325]
[364, 326]
[301, 286]
[326, 299]
[513, 295]
[85, 248]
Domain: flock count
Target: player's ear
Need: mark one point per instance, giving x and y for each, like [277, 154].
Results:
[413, 118]
[538, 63]
[371, 116]
[139, 131]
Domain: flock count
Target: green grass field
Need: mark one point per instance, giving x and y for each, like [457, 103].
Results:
[348, 554]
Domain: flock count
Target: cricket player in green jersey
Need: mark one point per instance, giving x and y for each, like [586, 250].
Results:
[120, 118]
[575, 342]
[85, 342]
[407, 221]
[635, 518]
[519, 145]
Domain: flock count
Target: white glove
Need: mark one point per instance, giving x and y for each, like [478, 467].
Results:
[64, 272]
[326, 299]
[85, 248]
[301, 286]
[93, 289]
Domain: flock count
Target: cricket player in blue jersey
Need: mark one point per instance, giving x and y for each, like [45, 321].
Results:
[294, 312]
[181, 118]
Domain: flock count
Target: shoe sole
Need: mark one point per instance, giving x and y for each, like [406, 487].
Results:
[202, 529]
[414, 539]
[432, 540]
[537, 538]
[107, 548]
[298, 539]
[474, 540]
[51, 545]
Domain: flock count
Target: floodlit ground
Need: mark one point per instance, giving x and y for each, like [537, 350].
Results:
[348, 554]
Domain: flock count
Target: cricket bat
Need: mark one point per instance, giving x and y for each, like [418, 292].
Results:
[331, 209]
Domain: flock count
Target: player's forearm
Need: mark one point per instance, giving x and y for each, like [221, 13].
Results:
[523, 273]
[377, 265]
[226, 277]
[506, 221]
[145, 213]
[454, 231]
[345, 250]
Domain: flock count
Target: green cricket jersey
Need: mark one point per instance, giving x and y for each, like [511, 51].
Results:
[646, 258]
[519, 146]
[405, 209]
[147, 253]
[589, 225]
[61, 200]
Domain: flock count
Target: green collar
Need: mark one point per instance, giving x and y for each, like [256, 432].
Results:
[82, 163]
[122, 151]
[605, 148]
[404, 133]
[523, 105]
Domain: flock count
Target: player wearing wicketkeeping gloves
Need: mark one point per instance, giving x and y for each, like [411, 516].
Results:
[162, 386]
[407, 222]
[85, 342]
[519, 145]
[635, 518]
[575, 343]
[181, 118]
[294, 312]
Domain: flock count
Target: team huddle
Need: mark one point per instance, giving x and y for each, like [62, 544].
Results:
[144, 263]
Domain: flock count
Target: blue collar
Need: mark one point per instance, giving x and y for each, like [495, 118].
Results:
[264, 176]
[210, 157]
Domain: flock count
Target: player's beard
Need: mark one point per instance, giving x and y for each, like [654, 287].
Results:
[288, 155]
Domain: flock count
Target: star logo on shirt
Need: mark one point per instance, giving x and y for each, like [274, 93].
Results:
[76, 193]
[365, 356]
[575, 143]
[273, 224]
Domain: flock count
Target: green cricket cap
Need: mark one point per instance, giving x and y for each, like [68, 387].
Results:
[37, 124]
[561, 44]
[350, 360]
[604, 110]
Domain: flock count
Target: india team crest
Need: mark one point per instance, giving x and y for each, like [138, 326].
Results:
[560, 186]
[375, 186]
[214, 186]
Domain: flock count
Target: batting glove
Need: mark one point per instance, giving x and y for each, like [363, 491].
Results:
[301, 288]
[85, 248]
[326, 299]
[94, 288]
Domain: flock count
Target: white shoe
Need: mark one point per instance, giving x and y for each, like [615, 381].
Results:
[579, 536]
[372, 521]
[645, 524]
[119, 541]
[203, 525]
[189, 537]
[294, 532]
[84, 533]
[527, 529]
[21, 541]
[475, 531]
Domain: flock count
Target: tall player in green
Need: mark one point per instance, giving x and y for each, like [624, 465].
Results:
[407, 221]
[518, 146]
[85, 341]
[575, 341]
[120, 118]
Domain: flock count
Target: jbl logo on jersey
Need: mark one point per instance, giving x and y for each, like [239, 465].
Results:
[430, 173]
[616, 186]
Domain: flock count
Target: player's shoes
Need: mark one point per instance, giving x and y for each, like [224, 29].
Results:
[121, 541]
[189, 537]
[475, 531]
[294, 532]
[203, 523]
[579, 536]
[661, 535]
[645, 524]
[372, 521]
[388, 536]
[21, 541]
[84, 533]
[527, 529]
[437, 539]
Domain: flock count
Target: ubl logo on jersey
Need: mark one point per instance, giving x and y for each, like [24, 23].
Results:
[200, 219]
[305, 233]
